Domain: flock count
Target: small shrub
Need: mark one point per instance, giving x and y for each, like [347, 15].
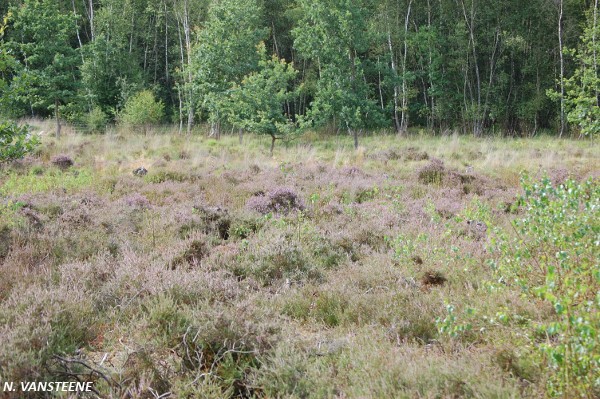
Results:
[433, 172]
[554, 257]
[138, 201]
[62, 161]
[164, 175]
[281, 200]
[95, 120]
[15, 141]
[433, 277]
[413, 154]
[142, 110]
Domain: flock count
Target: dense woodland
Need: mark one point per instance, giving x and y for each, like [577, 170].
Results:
[277, 66]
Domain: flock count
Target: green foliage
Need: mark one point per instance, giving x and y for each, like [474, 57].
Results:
[583, 88]
[41, 37]
[15, 141]
[109, 74]
[554, 258]
[258, 104]
[95, 120]
[451, 325]
[225, 52]
[142, 110]
[341, 92]
[479, 65]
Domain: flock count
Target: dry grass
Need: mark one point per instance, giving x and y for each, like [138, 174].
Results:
[170, 282]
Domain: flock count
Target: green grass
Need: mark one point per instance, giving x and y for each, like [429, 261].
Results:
[47, 181]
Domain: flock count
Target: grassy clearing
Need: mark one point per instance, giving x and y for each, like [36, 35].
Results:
[320, 272]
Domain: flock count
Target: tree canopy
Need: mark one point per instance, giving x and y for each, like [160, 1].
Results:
[476, 66]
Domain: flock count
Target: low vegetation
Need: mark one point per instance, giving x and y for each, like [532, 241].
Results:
[184, 266]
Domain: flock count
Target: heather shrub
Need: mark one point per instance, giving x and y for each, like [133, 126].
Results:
[137, 201]
[62, 161]
[216, 220]
[433, 172]
[281, 200]
[162, 176]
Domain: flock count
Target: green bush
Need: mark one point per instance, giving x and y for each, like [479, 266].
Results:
[15, 141]
[554, 257]
[95, 120]
[142, 110]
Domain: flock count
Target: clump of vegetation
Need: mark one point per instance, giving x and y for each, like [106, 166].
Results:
[142, 110]
[15, 141]
[138, 201]
[554, 258]
[413, 154]
[281, 200]
[62, 161]
[95, 120]
[433, 277]
[433, 172]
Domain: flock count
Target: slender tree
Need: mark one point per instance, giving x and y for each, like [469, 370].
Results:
[258, 104]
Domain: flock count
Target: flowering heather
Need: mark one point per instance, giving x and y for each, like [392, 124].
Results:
[175, 283]
[137, 200]
[281, 200]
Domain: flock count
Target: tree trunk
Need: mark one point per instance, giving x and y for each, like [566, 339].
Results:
[404, 101]
[470, 21]
[190, 121]
[595, 24]
[354, 133]
[91, 17]
[394, 70]
[215, 130]
[562, 69]
[273, 138]
[180, 111]
[241, 135]
[56, 112]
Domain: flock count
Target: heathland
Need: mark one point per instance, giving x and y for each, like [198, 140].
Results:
[189, 267]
